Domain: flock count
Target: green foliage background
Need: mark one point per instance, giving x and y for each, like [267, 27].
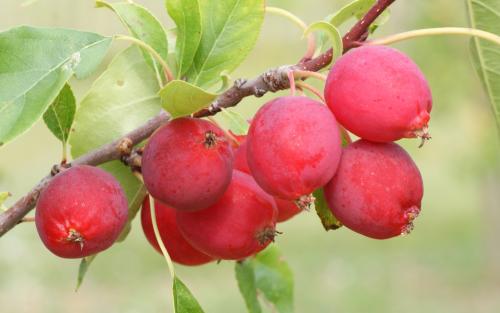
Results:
[450, 263]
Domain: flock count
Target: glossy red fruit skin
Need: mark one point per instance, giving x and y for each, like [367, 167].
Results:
[184, 168]
[377, 190]
[178, 248]
[286, 208]
[294, 147]
[379, 94]
[82, 200]
[239, 225]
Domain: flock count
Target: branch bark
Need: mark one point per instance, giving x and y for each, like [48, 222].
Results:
[271, 81]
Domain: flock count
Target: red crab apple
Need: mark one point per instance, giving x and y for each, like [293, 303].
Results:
[187, 164]
[241, 223]
[379, 94]
[81, 212]
[293, 147]
[286, 208]
[377, 190]
[178, 248]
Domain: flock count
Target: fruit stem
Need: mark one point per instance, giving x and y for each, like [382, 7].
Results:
[291, 78]
[434, 32]
[27, 220]
[311, 42]
[315, 91]
[158, 238]
[152, 51]
[306, 74]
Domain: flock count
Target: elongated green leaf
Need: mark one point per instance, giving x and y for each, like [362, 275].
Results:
[60, 114]
[35, 64]
[485, 15]
[142, 25]
[332, 32]
[235, 122]
[82, 270]
[184, 301]
[121, 99]
[274, 278]
[180, 98]
[186, 15]
[229, 31]
[245, 276]
[326, 216]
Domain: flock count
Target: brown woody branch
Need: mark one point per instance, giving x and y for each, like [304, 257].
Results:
[271, 81]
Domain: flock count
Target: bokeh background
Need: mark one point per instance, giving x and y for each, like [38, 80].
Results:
[450, 263]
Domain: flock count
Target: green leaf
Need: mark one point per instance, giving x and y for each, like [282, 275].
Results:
[226, 81]
[35, 64]
[245, 277]
[3, 196]
[82, 270]
[485, 15]
[274, 279]
[235, 122]
[180, 98]
[229, 31]
[326, 216]
[186, 15]
[184, 301]
[60, 114]
[142, 25]
[120, 100]
[332, 32]
[355, 9]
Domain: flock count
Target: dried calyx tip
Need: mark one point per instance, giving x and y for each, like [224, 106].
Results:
[305, 202]
[210, 139]
[266, 235]
[76, 237]
[411, 214]
[423, 134]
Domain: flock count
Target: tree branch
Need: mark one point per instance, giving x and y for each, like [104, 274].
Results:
[271, 81]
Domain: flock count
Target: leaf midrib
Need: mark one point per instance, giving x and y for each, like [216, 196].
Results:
[198, 75]
[51, 70]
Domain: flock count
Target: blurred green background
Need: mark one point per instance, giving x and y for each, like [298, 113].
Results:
[450, 263]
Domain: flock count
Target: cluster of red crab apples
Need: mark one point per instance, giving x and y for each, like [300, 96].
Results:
[219, 198]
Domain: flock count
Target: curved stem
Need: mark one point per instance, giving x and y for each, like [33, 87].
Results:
[291, 79]
[311, 42]
[152, 51]
[315, 91]
[158, 237]
[305, 74]
[289, 15]
[434, 32]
